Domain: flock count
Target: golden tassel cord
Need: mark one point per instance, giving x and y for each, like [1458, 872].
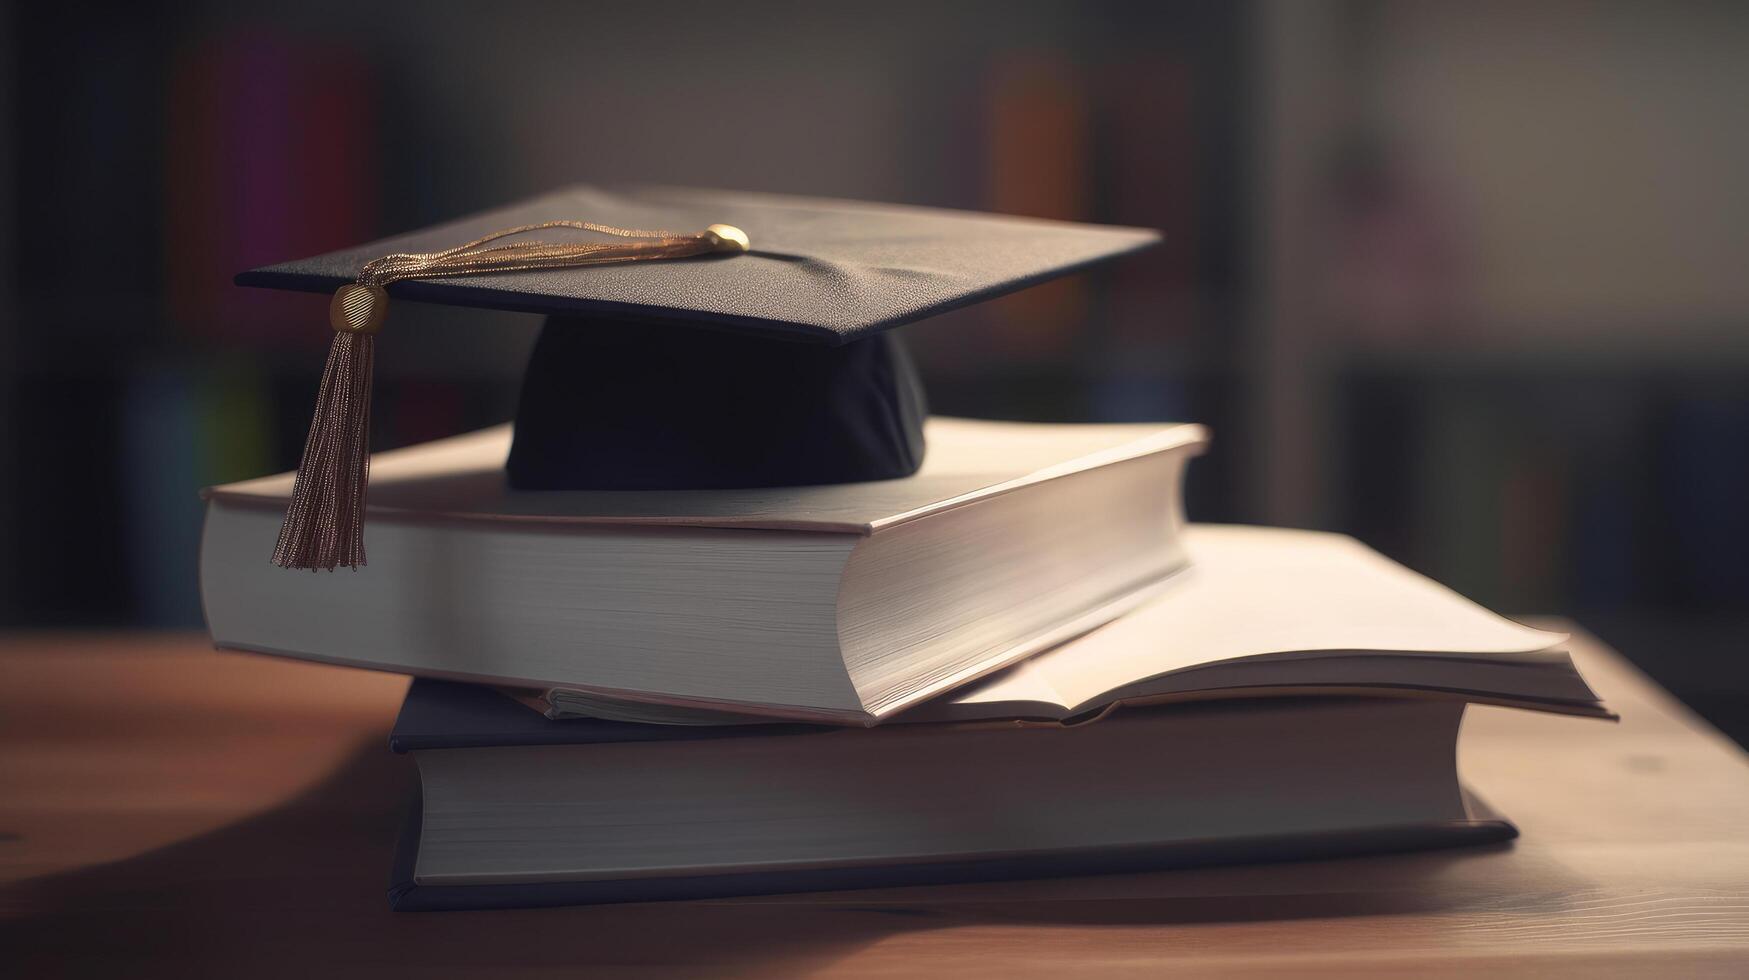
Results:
[324, 524]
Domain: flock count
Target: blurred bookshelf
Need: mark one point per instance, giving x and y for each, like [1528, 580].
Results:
[1560, 484]
[1500, 331]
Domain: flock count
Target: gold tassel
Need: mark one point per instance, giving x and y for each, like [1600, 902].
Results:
[324, 525]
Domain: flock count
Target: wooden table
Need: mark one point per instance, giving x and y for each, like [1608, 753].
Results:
[167, 810]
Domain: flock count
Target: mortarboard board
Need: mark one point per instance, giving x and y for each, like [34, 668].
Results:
[758, 353]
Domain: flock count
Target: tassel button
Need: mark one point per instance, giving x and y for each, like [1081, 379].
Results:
[358, 308]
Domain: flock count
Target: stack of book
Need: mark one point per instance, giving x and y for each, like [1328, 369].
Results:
[1018, 661]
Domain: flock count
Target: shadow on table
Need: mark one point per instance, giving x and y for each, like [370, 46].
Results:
[299, 891]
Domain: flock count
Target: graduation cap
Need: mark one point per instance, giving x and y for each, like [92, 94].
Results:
[750, 346]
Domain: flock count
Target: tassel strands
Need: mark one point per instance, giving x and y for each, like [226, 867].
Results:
[324, 524]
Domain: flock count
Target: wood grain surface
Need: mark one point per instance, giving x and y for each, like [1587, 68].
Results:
[166, 810]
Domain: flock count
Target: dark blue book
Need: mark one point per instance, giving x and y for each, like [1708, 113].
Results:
[517, 810]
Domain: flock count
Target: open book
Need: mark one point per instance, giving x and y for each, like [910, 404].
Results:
[1260, 611]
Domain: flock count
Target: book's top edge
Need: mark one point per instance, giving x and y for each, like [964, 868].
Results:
[460, 479]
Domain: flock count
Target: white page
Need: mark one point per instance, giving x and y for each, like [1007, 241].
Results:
[1253, 591]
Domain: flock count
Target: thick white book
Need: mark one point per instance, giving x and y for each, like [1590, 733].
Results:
[842, 604]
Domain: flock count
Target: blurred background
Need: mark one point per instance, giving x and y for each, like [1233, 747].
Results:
[1465, 280]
